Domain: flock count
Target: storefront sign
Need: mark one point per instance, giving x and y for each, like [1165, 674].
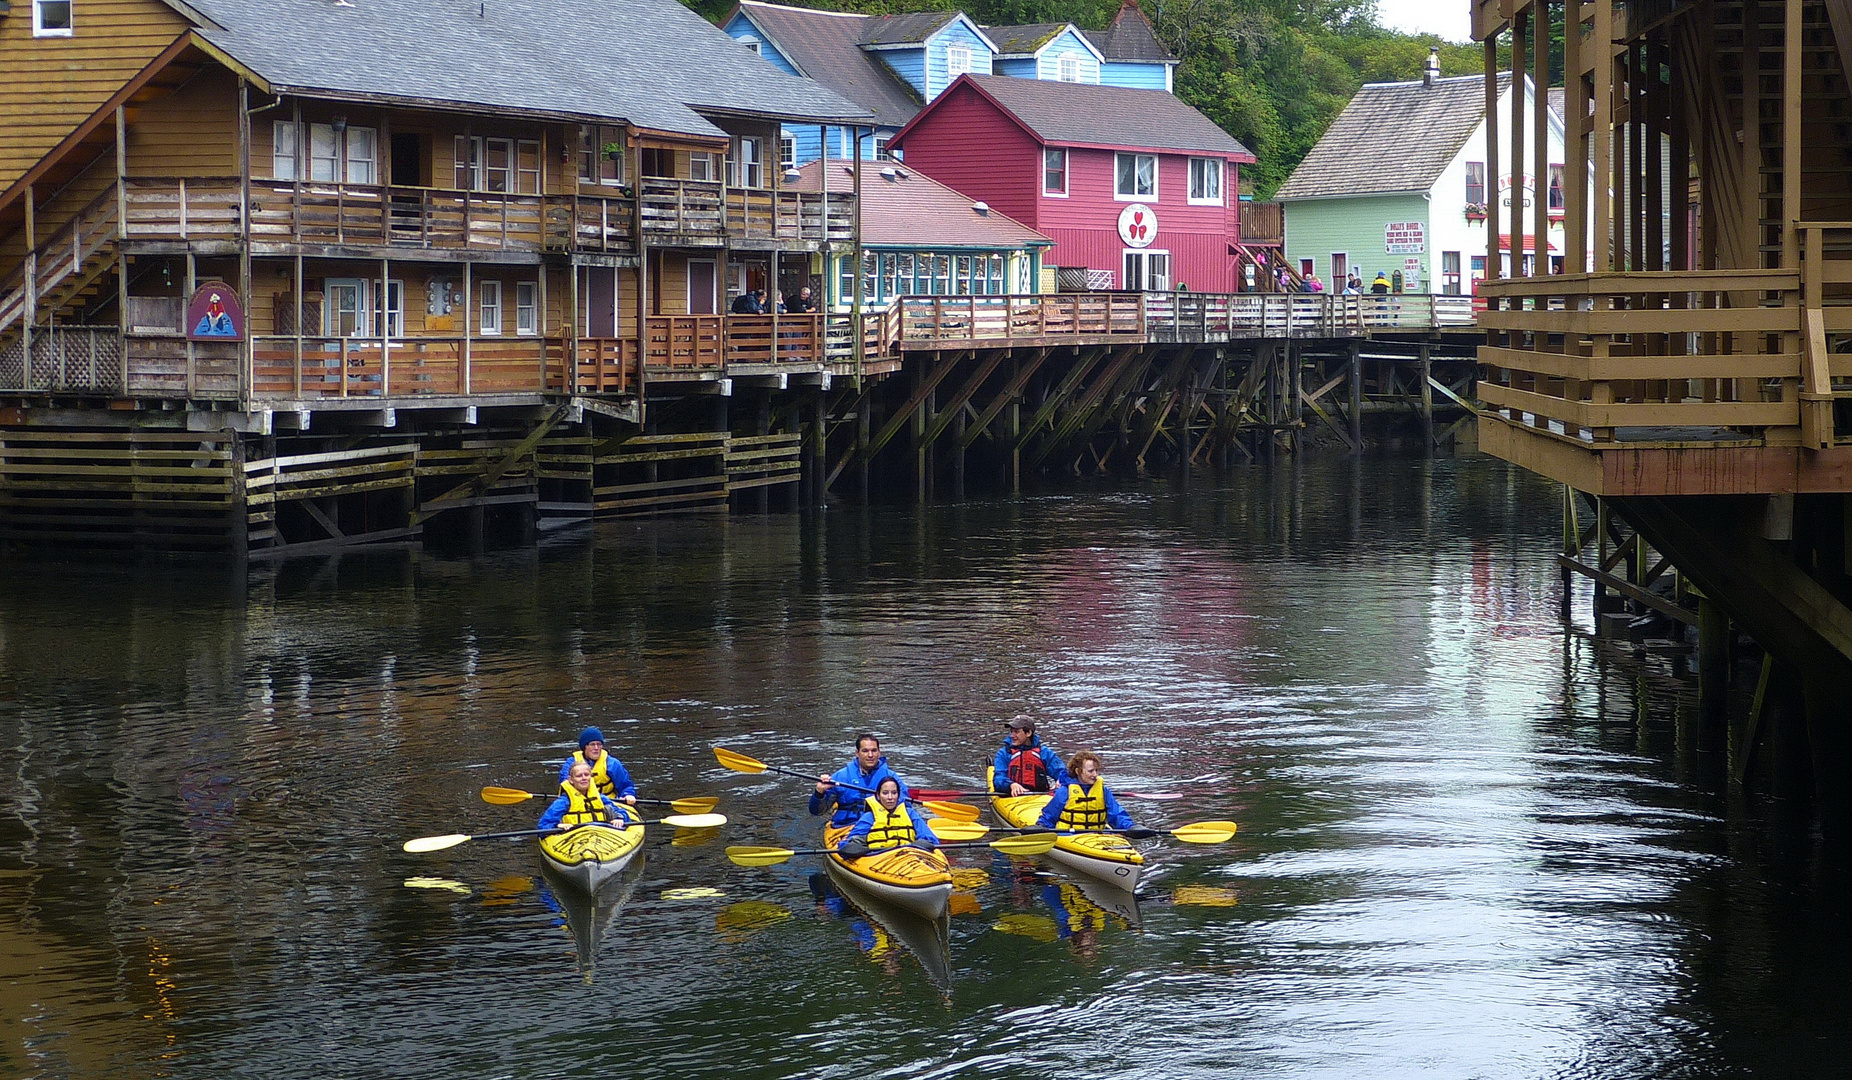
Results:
[1405, 237]
[214, 313]
[1137, 225]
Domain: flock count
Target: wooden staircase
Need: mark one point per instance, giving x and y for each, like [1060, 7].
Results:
[68, 270]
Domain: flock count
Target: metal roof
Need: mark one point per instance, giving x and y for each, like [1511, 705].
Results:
[902, 207]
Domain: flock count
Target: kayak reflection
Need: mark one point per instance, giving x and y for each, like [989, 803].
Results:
[588, 915]
[881, 929]
[1078, 910]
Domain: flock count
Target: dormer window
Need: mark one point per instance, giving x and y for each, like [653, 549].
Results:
[957, 61]
[752, 45]
[51, 18]
[1067, 68]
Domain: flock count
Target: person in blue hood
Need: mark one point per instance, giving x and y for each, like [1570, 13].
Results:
[1024, 766]
[844, 794]
[613, 779]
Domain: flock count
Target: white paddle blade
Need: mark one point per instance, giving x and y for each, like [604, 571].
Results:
[434, 843]
[695, 821]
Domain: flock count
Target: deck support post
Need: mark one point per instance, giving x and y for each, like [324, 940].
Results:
[1356, 397]
[1427, 398]
[1713, 670]
[762, 425]
[862, 426]
[819, 447]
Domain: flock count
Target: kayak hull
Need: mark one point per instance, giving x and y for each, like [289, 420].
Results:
[909, 878]
[1102, 857]
[591, 855]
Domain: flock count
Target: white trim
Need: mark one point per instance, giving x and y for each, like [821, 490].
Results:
[532, 289]
[1067, 164]
[1145, 254]
[1221, 187]
[1155, 163]
[69, 28]
[688, 282]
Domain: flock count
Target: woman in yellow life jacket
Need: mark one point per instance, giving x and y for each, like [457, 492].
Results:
[1086, 804]
[609, 773]
[581, 803]
[886, 823]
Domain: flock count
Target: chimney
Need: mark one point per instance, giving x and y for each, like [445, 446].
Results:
[1432, 71]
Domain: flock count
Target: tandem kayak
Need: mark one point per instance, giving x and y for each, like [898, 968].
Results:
[590, 855]
[1103, 857]
[909, 878]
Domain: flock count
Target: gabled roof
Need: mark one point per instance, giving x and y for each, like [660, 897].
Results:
[1031, 38]
[911, 28]
[1392, 137]
[1130, 37]
[826, 46]
[1083, 114]
[653, 63]
[902, 207]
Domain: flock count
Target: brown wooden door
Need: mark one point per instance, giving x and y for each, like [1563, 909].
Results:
[702, 278]
[600, 302]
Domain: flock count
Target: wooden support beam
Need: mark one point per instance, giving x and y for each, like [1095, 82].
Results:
[1084, 364]
[928, 383]
[1018, 379]
[479, 485]
[954, 407]
[1085, 405]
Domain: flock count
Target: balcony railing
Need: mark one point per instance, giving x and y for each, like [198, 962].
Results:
[369, 367]
[707, 209]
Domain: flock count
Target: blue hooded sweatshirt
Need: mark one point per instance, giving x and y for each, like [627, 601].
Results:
[850, 797]
[1000, 775]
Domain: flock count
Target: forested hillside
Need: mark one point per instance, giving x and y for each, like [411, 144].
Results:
[1272, 72]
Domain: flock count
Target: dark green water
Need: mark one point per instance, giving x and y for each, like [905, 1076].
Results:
[1471, 845]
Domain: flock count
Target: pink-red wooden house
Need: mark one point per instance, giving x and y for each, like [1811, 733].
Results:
[1134, 186]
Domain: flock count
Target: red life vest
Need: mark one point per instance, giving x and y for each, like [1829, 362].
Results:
[1027, 767]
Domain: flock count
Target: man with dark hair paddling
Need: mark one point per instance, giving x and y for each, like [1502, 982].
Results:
[886, 823]
[608, 773]
[1085, 804]
[581, 803]
[847, 789]
[1024, 766]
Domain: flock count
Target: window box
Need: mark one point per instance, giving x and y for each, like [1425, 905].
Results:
[1475, 211]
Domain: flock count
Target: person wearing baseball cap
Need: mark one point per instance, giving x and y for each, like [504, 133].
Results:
[609, 773]
[1024, 766]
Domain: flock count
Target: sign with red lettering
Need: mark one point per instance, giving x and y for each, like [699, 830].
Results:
[1405, 237]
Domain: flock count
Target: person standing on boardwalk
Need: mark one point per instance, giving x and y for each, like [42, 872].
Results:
[612, 778]
[846, 791]
[1024, 766]
[1085, 804]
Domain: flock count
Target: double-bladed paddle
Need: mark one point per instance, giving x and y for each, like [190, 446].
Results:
[772, 856]
[680, 821]
[501, 796]
[739, 762]
[939, 793]
[1196, 832]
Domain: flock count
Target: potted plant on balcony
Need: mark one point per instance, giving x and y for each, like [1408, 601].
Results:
[1475, 211]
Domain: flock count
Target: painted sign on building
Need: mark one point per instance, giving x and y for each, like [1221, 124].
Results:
[1137, 225]
[214, 313]
[1405, 237]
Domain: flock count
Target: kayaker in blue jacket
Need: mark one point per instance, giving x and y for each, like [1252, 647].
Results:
[887, 823]
[581, 803]
[846, 791]
[1085, 804]
[1024, 766]
[613, 779]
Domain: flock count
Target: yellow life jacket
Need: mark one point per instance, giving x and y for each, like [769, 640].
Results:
[582, 809]
[1085, 810]
[892, 828]
[600, 775]
[1082, 913]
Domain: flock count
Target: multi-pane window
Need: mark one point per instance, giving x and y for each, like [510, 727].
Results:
[880, 148]
[1475, 182]
[527, 308]
[491, 307]
[1054, 172]
[701, 166]
[957, 61]
[51, 18]
[1135, 176]
[1206, 180]
[1067, 68]
[787, 153]
[1556, 187]
[349, 310]
[340, 152]
[491, 164]
[1450, 273]
[283, 150]
[601, 155]
[746, 165]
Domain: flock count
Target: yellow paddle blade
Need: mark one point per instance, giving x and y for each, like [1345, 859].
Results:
[746, 855]
[1036, 844]
[507, 796]
[738, 762]
[946, 829]
[1204, 832]
[969, 877]
[737, 922]
[1203, 896]
[434, 843]
[701, 805]
[954, 811]
[699, 892]
[963, 903]
[693, 837]
[695, 821]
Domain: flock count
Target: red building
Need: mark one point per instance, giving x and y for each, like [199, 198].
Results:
[1132, 185]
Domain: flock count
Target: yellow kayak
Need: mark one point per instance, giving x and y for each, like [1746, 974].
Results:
[1101, 856]
[591, 855]
[911, 878]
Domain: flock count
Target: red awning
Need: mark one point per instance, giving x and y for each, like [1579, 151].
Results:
[1504, 244]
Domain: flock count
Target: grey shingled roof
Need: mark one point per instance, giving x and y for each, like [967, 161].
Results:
[908, 29]
[654, 63]
[825, 45]
[1130, 37]
[1392, 137]
[1084, 114]
[1025, 39]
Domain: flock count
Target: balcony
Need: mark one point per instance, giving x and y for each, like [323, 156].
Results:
[695, 212]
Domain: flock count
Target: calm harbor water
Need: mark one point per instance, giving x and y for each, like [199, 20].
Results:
[1472, 844]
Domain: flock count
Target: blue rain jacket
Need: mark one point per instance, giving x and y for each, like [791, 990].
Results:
[621, 783]
[922, 834]
[855, 786]
[1000, 768]
[555, 812]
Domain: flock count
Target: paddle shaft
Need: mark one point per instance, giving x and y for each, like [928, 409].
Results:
[935, 793]
[915, 799]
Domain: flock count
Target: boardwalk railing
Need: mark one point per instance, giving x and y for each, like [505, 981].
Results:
[1180, 316]
[370, 367]
[1028, 319]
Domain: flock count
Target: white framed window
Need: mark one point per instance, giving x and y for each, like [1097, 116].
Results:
[601, 155]
[349, 154]
[283, 150]
[957, 61]
[1135, 176]
[51, 18]
[346, 311]
[324, 153]
[752, 46]
[362, 153]
[527, 308]
[1067, 68]
[490, 305]
[880, 148]
[395, 308]
[701, 166]
[1206, 181]
[1054, 172]
[746, 165]
[787, 153]
[485, 163]
[1146, 270]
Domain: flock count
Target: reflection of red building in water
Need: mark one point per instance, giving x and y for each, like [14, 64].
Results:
[1137, 189]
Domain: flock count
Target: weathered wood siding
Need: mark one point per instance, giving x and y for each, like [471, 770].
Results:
[51, 85]
[190, 132]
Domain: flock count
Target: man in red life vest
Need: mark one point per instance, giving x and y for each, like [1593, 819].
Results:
[1024, 766]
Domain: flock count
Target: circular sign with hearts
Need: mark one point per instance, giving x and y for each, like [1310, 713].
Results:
[1137, 225]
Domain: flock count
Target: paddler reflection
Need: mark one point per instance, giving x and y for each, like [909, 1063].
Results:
[869, 936]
